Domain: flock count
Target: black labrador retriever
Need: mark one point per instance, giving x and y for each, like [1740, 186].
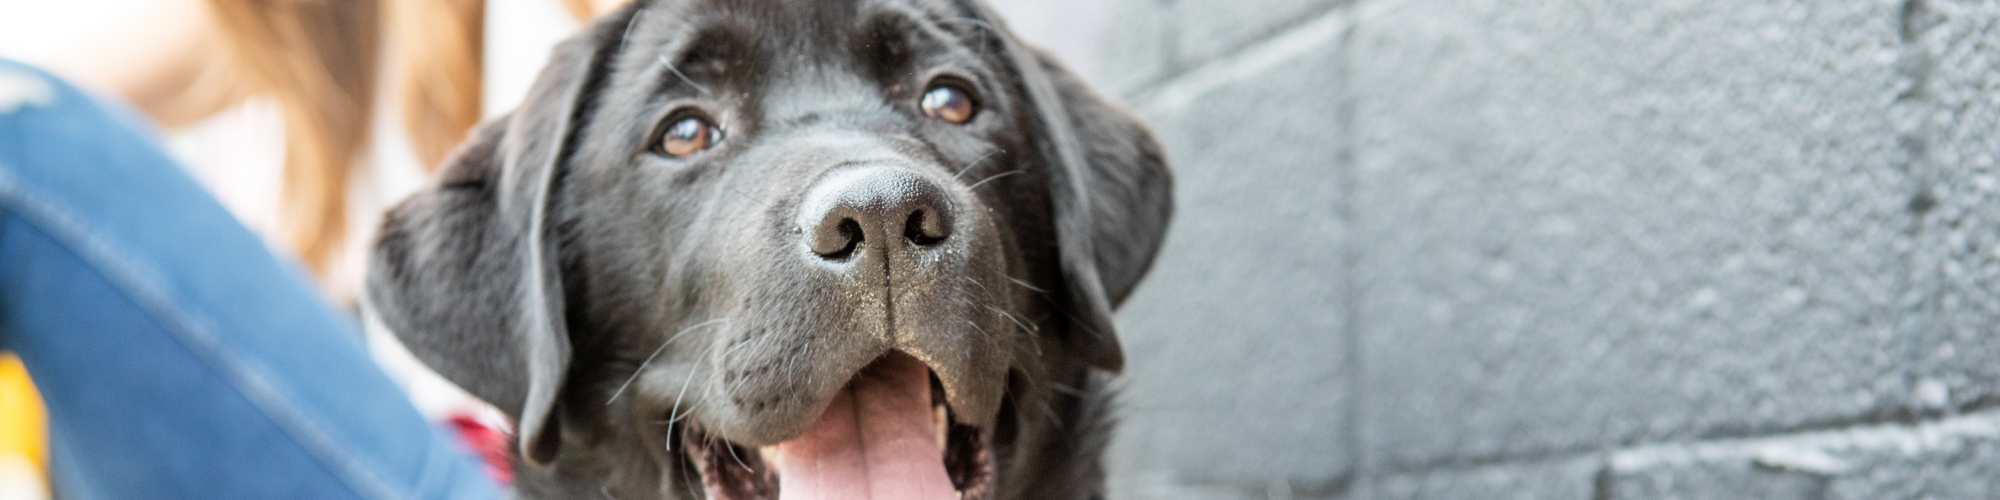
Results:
[788, 249]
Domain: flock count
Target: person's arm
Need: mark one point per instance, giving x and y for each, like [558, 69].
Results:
[178, 358]
[167, 57]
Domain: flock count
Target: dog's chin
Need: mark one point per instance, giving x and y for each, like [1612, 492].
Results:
[888, 434]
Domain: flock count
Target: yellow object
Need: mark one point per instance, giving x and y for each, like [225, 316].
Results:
[24, 428]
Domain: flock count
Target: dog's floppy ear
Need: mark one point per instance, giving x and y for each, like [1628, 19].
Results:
[1110, 190]
[467, 273]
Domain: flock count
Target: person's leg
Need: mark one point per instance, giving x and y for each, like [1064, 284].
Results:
[178, 357]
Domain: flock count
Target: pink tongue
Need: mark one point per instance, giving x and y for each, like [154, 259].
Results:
[875, 441]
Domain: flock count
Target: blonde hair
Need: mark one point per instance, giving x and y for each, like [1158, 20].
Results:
[320, 61]
[317, 59]
[440, 53]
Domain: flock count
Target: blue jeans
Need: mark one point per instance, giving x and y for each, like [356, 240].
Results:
[179, 358]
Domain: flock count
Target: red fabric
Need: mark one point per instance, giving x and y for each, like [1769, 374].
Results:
[489, 444]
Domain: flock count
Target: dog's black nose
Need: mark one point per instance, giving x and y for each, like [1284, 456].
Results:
[856, 208]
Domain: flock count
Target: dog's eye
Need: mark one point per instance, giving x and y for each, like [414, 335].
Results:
[949, 103]
[688, 135]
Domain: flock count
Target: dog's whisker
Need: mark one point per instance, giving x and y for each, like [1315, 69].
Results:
[734, 346]
[683, 416]
[969, 166]
[739, 458]
[976, 328]
[1053, 418]
[655, 354]
[684, 78]
[1025, 284]
[1010, 317]
[728, 389]
[675, 415]
[746, 196]
[1066, 389]
[982, 286]
[626, 37]
[792, 361]
[975, 185]
[692, 493]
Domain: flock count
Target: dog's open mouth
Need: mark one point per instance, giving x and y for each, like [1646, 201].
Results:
[887, 435]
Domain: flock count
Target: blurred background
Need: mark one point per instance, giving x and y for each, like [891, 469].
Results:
[1561, 249]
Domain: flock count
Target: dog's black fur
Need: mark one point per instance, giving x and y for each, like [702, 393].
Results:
[622, 304]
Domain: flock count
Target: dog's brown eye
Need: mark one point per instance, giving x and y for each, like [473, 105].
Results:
[948, 103]
[688, 136]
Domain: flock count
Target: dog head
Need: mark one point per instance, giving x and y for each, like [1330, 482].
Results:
[739, 247]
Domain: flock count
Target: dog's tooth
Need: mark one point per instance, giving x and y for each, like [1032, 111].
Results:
[941, 423]
[770, 456]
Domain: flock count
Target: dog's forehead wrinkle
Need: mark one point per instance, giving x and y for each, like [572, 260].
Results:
[919, 26]
[693, 50]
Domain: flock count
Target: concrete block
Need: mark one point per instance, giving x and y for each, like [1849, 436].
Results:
[1564, 479]
[1589, 223]
[1149, 40]
[1205, 30]
[1956, 457]
[1732, 481]
[1957, 467]
[1071, 31]
[1164, 485]
[1953, 136]
[1138, 47]
[1234, 343]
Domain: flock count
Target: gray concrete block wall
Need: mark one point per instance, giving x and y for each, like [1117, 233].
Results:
[1566, 249]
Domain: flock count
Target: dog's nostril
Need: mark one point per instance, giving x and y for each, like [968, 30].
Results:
[850, 231]
[924, 229]
[845, 237]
